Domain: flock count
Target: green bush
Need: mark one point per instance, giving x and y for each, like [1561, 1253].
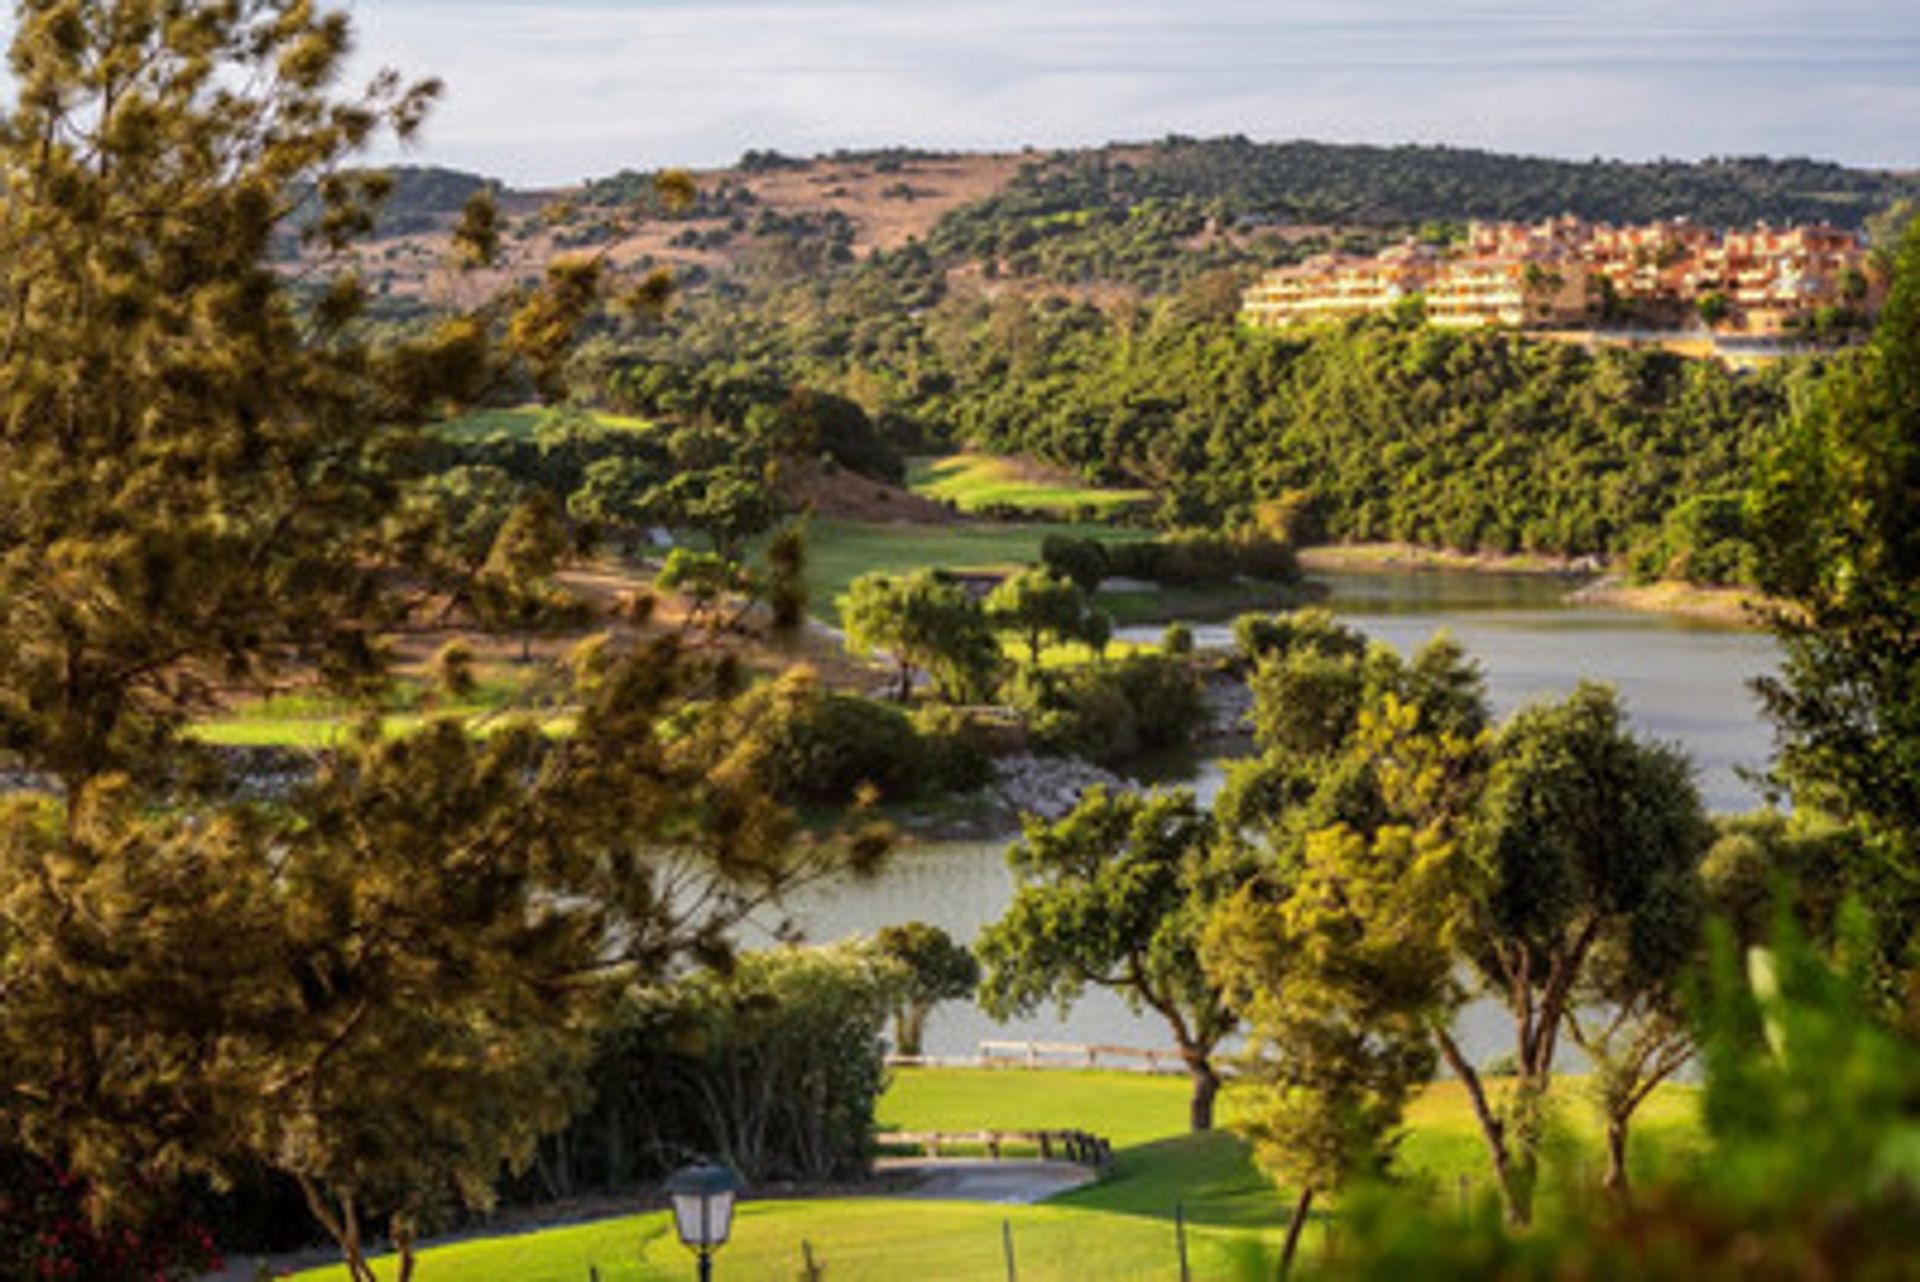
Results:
[1703, 540]
[1109, 712]
[1814, 1171]
[774, 1067]
[1186, 558]
[1263, 636]
[954, 754]
[822, 748]
[1082, 560]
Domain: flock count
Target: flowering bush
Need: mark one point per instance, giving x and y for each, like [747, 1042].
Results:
[46, 1234]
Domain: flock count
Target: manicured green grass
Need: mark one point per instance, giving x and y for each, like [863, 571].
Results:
[973, 481]
[1129, 1108]
[519, 423]
[308, 721]
[1126, 1108]
[1118, 1228]
[856, 1240]
[838, 552]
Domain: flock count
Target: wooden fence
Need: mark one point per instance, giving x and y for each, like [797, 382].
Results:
[1052, 1055]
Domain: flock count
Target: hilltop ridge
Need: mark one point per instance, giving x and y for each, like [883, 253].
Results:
[1141, 216]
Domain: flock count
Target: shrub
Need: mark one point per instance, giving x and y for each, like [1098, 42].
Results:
[773, 1067]
[1084, 561]
[820, 747]
[1110, 712]
[45, 1232]
[1262, 636]
[954, 754]
[825, 747]
[1189, 558]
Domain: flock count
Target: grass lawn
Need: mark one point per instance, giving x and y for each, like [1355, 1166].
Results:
[856, 1240]
[1118, 1228]
[307, 721]
[838, 552]
[519, 423]
[973, 481]
[1443, 1141]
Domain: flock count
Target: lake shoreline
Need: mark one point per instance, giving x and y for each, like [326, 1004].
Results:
[1590, 582]
[1729, 607]
[1387, 558]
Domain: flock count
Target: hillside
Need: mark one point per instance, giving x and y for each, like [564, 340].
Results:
[1144, 217]
[809, 213]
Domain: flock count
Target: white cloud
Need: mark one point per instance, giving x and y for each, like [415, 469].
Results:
[552, 91]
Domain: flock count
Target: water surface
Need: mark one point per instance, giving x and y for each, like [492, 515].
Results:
[1683, 681]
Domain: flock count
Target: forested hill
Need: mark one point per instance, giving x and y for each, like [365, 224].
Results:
[1081, 309]
[1331, 183]
[1145, 217]
[1153, 216]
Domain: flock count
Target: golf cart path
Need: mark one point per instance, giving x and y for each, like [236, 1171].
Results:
[979, 1179]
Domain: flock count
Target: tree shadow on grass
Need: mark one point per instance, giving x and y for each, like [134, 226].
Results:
[1212, 1175]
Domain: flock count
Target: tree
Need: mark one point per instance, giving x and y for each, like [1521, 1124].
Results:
[728, 504]
[184, 472]
[705, 579]
[1629, 1015]
[1339, 979]
[515, 588]
[1084, 561]
[1096, 629]
[1838, 536]
[1581, 831]
[939, 969]
[377, 982]
[1886, 229]
[773, 1065]
[382, 986]
[1038, 605]
[1116, 895]
[925, 621]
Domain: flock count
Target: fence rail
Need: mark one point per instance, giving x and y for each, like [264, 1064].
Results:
[1072, 1146]
[1052, 1055]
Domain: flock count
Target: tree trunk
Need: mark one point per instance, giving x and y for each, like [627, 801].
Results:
[1206, 1087]
[402, 1233]
[906, 682]
[1294, 1228]
[910, 1028]
[1516, 1194]
[1615, 1182]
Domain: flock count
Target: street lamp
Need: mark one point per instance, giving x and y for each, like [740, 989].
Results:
[703, 1209]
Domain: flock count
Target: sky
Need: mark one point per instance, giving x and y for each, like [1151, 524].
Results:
[555, 91]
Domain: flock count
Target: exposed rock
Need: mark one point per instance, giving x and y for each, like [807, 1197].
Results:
[1229, 700]
[1050, 786]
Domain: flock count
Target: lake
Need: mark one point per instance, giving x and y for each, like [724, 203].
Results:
[1681, 680]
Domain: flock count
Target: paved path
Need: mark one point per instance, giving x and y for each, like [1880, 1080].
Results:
[979, 1179]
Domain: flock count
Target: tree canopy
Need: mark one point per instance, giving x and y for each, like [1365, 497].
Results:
[1116, 896]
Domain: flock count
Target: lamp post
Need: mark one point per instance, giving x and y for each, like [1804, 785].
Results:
[703, 1209]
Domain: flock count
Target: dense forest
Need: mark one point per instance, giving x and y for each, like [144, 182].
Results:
[1381, 429]
[1143, 214]
[1084, 314]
